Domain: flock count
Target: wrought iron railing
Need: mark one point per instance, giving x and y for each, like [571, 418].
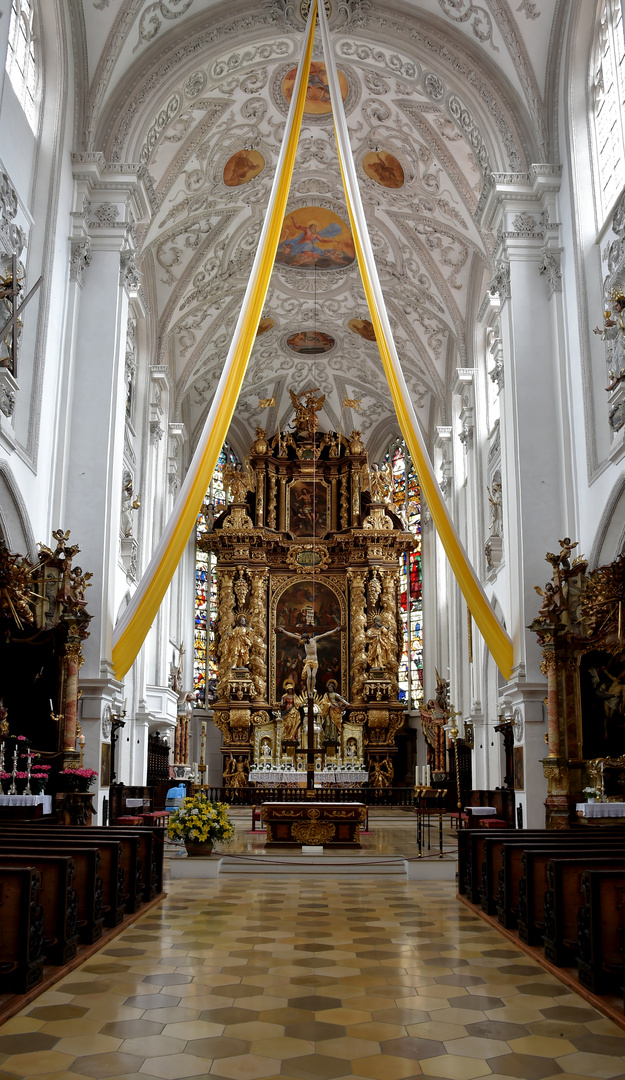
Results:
[251, 796]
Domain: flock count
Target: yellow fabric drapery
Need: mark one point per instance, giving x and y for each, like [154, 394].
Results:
[133, 625]
[497, 640]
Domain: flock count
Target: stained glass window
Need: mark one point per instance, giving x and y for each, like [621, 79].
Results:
[21, 65]
[407, 497]
[609, 103]
[204, 656]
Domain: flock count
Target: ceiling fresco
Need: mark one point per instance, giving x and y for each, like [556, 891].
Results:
[198, 94]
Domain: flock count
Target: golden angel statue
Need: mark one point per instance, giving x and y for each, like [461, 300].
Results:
[379, 481]
[239, 479]
[306, 410]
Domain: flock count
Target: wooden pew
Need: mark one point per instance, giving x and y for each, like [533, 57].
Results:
[601, 923]
[563, 898]
[511, 873]
[87, 881]
[533, 884]
[474, 879]
[21, 929]
[111, 869]
[151, 850]
[58, 899]
[501, 873]
[131, 845]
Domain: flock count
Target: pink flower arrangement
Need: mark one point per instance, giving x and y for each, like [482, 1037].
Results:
[77, 779]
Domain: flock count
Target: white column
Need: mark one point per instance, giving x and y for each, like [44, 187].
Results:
[535, 465]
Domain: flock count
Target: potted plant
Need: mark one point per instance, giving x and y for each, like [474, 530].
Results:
[591, 794]
[199, 823]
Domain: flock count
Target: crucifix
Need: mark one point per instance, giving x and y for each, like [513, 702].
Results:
[10, 289]
[309, 673]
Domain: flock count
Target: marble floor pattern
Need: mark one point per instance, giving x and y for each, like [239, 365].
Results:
[254, 978]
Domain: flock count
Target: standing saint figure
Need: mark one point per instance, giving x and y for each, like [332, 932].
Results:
[238, 644]
[379, 644]
[311, 659]
[332, 707]
[291, 716]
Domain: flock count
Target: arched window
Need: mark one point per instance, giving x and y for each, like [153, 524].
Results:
[204, 658]
[21, 62]
[407, 498]
[609, 105]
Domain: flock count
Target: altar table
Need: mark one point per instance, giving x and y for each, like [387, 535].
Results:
[45, 801]
[600, 809]
[293, 824]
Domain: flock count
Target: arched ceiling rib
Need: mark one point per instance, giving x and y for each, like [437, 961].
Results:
[188, 87]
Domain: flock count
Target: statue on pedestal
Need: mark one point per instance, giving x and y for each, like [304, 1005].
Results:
[332, 706]
[238, 644]
[378, 645]
[291, 716]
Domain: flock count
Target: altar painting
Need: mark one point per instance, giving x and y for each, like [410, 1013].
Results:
[308, 508]
[315, 236]
[602, 695]
[311, 608]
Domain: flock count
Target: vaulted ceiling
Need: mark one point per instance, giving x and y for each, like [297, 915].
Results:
[438, 95]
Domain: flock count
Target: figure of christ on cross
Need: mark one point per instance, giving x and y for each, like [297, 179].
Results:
[311, 659]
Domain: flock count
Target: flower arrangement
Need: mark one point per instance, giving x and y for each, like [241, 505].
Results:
[200, 821]
[76, 779]
[591, 793]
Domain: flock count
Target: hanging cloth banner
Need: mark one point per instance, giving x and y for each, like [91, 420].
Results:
[133, 625]
[497, 640]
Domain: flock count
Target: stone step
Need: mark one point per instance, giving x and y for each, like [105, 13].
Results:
[325, 865]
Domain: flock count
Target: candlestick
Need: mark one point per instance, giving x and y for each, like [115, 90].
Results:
[29, 758]
[13, 789]
[2, 756]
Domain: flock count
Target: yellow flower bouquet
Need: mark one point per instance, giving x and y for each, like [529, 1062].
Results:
[201, 822]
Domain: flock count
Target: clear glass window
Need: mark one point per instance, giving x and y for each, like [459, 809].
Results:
[21, 63]
[609, 105]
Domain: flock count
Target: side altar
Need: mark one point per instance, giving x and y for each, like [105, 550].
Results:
[308, 629]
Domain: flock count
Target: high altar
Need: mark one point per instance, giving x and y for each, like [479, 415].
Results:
[308, 549]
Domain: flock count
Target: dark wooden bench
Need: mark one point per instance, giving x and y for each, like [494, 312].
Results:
[534, 884]
[87, 882]
[563, 899]
[601, 923]
[151, 850]
[132, 845]
[58, 899]
[21, 929]
[511, 873]
[111, 869]
[471, 847]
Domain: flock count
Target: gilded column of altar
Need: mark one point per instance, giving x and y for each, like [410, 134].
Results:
[335, 503]
[258, 620]
[549, 667]
[389, 619]
[271, 500]
[73, 662]
[358, 628]
[260, 497]
[355, 498]
[344, 501]
[282, 505]
[225, 622]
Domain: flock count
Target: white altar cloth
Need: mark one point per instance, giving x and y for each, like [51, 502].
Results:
[28, 800]
[322, 776]
[132, 803]
[601, 809]
[481, 811]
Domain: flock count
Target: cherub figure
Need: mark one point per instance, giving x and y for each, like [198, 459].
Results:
[566, 547]
[549, 607]
[311, 658]
[378, 480]
[614, 327]
[239, 479]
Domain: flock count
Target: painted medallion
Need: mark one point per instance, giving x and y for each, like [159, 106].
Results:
[383, 168]
[363, 328]
[243, 167]
[264, 325]
[318, 92]
[314, 236]
[310, 342]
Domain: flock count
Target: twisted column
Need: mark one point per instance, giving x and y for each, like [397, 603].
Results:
[258, 621]
[389, 620]
[358, 628]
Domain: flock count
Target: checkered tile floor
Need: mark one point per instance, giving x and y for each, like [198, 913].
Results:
[254, 978]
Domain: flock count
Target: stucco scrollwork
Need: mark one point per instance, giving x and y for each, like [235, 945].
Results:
[549, 266]
[468, 126]
[80, 257]
[151, 19]
[481, 23]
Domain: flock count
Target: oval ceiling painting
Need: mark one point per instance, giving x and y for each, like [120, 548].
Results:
[314, 236]
[243, 167]
[318, 92]
[363, 328]
[310, 342]
[264, 325]
[383, 168]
